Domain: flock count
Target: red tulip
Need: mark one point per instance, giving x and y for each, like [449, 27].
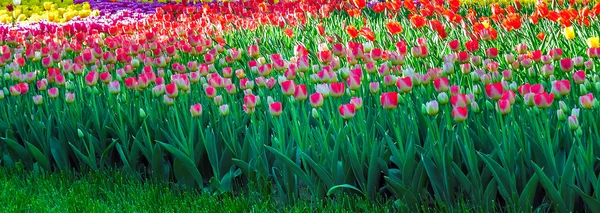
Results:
[454, 45]
[389, 100]
[459, 100]
[492, 52]
[353, 82]
[210, 91]
[537, 88]
[91, 79]
[300, 92]
[316, 100]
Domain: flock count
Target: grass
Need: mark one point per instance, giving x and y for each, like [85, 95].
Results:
[26, 191]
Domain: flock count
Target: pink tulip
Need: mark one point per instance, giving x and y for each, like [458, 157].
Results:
[587, 101]
[42, 84]
[196, 110]
[509, 95]
[250, 101]
[374, 87]
[460, 114]
[288, 87]
[91, 79]
[543, 100]
[459, 100]
[69, 97]
[566, 64]
[432, 107]
[337, 89]
[53, 92]
[353, 82]
[275, 109]
[300, 93]
[389, 100]
[441, 84]
[494, 91]
[230, 89]
[562, 87]
[504, 106]
[537, 88]
[404, 84]
[358, 102]
[347, 111]
[210, 91]
[579, 77]
[38, 100]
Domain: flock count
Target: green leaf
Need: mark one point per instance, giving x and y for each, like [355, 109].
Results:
[336, 188]
[550, 189]
[38, 156]
[528, 193]
[19, 150]
[321, 172]
[593, 204]
[501, 175]
[401, 192]
[82, 157]
[185, 160]
[292, 166]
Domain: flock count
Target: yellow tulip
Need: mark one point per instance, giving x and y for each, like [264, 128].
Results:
[593, 42]
[47, 5]
[569, 33]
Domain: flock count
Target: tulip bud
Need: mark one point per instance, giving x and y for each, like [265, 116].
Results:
[579, 132]
[432, 108]
[583, 89]
[575, 112]
[561, 115]
[80, 133]
[69, 97]
[573, 123]
[475, 107]
[443, 98]
[224, 109]
[315, 113]
[1, 94]
[142, 113]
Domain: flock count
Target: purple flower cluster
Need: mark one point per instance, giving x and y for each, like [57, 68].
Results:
[107, 7]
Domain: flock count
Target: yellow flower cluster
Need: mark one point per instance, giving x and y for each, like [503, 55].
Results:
[49, 10]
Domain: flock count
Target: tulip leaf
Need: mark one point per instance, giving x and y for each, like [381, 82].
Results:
[185, 160]
[289, 164]
[593, 204]
[336, 188]
[38, 156]
[501, 175]
[401, 192]
[550, 189]
[18, 149]
[528, 193]
[321, 172]
[82, 157]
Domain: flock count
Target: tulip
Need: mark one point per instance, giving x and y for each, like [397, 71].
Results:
[171, 90]
[337, 89]
[492, 52]
[250, 101]
[288, 87]
[494, 91]
[509, 95]
[347, 111]
[441, 84]
[460, 113]
[536, 88]
[432, 107]
[569, 33]
[69, 97]
[37, 100]
[562, 87]
[529, 99]
[404, 84]
[504, 106]
[1, 95]
[543, 100]
[573, 123]
[579, 77]
[53, 92]
[593, 42]
[358, 102]
[374, 87]
[458, 100]
[566, 64]
[589, 64]
[587, 101]
[230, 89]
[275, 109]
[560, 114]
[316, 100]
[300, 93]
[353, 82]
[454, 45]
[389, 100]
[168, 101]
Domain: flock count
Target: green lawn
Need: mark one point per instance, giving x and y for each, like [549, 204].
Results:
[115, 192]
[25, 191]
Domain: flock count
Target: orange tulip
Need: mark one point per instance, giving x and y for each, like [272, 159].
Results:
[352, 31]
[367, 33]
[394, 27]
